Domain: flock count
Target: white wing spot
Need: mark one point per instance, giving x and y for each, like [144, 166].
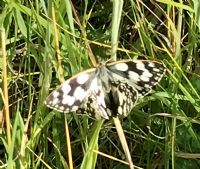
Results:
[140, 66]
[151, 64]
[147, 73]
[144, 78]
[69, 100]
[74, 108]
[55, 94]
[66, 87]
[82, 78]
[134, 76]
[156, 70]
[159, 74]
[79, 93]
[94, 85]
[121, 66]
[120, 111]
[61, 108]
[55, 101]
[147, 86]
[122, 97]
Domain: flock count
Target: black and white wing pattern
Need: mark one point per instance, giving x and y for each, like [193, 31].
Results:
[140, 74]
[108, 90]
[71, 94]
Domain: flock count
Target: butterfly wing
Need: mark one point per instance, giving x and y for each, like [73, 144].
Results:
[70, 95]
[142, 75]
[121, 98]
[118, 101]
[94, 105]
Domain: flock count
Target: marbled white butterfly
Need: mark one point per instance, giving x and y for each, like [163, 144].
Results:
[108, 90]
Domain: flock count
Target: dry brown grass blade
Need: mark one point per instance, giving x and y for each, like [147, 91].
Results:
[90, 53]
[5, 87]
[60, 75]
[123, 141]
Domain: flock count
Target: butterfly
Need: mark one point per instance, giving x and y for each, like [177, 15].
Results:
[108, 90]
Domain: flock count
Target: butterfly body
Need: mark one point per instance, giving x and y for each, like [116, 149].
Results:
[108, 90]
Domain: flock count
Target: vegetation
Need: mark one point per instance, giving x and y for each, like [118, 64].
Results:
[47, 42]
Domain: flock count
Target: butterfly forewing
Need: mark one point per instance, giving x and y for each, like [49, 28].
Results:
[141, 74]
[70, 95]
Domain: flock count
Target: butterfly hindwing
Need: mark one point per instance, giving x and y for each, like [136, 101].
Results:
[117, 102]
[121, 98]
[94, 105]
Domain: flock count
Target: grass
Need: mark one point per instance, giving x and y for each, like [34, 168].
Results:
[49, 42]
